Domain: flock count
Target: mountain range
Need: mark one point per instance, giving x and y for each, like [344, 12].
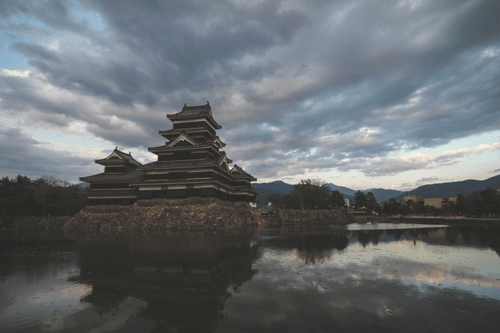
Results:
[439, 190]
[451, 189]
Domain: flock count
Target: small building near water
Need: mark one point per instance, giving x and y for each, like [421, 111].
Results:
[433, 202]
[267, 209]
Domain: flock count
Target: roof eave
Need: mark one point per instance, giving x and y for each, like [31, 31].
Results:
[173, 117]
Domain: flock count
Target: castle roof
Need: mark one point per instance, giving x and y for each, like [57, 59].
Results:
[177, 131]
[196, 111]
[165, 148]
[117, 156]
[186, 164]
[177, 164]
[126, 176]
[240, 173]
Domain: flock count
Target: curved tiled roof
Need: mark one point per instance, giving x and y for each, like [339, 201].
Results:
[193, 112]
[180, 148]
[127, 176]
[180, 164]
[120, 155]
[177, 131]
[240, 173]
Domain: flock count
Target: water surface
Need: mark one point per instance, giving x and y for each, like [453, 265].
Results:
[360, 278]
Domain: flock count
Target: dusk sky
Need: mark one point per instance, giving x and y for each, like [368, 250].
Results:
[362, 94]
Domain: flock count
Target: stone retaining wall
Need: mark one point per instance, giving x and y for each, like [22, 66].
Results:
[165, 214]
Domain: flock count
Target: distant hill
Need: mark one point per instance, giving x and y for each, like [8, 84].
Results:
[382, 194]
[272, 187]
[343, 190]
[430, 191]
[284, 188]
[442, 190]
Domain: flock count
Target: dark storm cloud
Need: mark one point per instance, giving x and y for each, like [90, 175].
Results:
[296, 86]
[18, 94]
[23, 155]
[53, 13]
[35, 52]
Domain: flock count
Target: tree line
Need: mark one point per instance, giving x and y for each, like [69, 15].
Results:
[307, 194]
[45, 196]
[367, 202]
[311, 194]
[475, 204]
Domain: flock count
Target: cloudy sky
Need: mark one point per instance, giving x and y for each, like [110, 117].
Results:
[363, 94]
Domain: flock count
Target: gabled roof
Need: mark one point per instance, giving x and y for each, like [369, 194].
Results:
[218, 140]
[223, 161]
[195, 112]
[223, 153]
[239, 172]
[183, 137]
[117, 156]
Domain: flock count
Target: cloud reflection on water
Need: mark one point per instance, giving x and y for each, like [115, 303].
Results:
[404, 261]
[375, 282]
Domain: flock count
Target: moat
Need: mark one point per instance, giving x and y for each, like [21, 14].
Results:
[354, 278]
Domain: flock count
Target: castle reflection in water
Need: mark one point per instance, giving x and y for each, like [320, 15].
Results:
[187, 279]
[289, 279]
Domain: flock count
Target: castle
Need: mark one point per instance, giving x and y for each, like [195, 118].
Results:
[191, 163]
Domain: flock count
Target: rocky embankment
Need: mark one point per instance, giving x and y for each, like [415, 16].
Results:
[154, 215]
[158, 215]
[33, 223]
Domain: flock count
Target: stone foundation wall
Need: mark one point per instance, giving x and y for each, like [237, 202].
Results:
[165, 214]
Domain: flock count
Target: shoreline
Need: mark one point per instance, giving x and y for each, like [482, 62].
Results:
[203, 215]
[452, 220]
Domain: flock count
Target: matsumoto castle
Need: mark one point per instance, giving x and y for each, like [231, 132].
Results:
[191, 164]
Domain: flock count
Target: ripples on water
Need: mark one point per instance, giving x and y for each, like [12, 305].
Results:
[359, 278]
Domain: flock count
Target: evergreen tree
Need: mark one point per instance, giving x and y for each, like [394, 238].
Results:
[461, 206]
[392, 207]
[311, 195]
[22, 196]
[372, 204]
[360, 200]
[337, 199]
[490, 201]
[277, 200]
